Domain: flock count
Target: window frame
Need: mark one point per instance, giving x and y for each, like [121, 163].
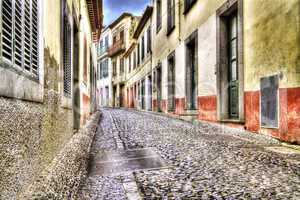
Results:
[171, 19]
[67, 21]
[188, 4]
[149, 39]
[10, 64]
[143, 48]
[29, 87]
[158, 15]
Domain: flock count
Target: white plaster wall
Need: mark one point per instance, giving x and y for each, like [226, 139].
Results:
[163, 45]
[164, 80]
[148, 94]
[207, 57]
[180, 70]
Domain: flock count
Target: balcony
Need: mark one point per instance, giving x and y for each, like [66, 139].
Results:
[116, 48]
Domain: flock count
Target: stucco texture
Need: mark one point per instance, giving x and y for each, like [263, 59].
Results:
[272, 42]
[31, 135]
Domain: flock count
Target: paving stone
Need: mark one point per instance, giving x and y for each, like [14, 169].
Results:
[205, 161]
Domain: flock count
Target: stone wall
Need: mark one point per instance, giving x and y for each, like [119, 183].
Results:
[63, 176]
[31, 134]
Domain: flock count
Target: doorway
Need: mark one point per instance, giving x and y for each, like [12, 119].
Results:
[230, 68]
[191, 72]
[114, 96]
[233, 78]
[171, 82]
[150, 93]
[76, 88]
[122, 95]
[143, 94]
[158, 87]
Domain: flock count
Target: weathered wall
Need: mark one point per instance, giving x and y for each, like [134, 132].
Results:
[272, 42]
[164, 45]
[32, 133]
[272, 38]
[62, 178]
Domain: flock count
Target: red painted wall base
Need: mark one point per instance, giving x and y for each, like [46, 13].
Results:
[207, 108]
[289, 114]
[179, 106]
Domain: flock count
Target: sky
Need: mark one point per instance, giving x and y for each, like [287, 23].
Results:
[114, 8]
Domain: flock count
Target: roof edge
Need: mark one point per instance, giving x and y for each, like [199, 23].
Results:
[146, 16]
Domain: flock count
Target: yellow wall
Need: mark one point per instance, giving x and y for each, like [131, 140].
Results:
[272, 41]
[163, 45]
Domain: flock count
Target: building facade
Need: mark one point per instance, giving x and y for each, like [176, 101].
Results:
[112, 61]
[104, 84]
[138, 58]
[234, 62]
[47, 74]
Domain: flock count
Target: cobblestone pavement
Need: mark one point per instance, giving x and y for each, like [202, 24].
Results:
[202, 161]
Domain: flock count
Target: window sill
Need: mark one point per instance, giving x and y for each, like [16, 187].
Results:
[66, 102]
[19, 86]
[269, 127]
[234, 121]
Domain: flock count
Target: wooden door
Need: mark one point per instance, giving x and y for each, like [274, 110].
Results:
[233, 85]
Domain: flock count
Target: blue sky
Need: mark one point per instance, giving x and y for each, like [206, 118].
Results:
[114, 8]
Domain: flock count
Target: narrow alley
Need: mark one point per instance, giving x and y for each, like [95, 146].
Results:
[142, 155]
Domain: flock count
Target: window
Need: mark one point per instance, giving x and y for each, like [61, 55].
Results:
[85, 63]
[114, 39]
[158, 15]
[20, 35]
[134, 60]
[114, 68]
[149, 40]
[99, 70]
[129, 62]
[106, 42]
[143, 47]
[138, 54]
[122, 65]
[122, 36]
[101, 44]
[67, 57]
[171, 16]
[188, 4]
[104, 69]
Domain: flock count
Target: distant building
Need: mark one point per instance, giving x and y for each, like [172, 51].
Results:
[48, 82]
[112, 85]
[104, 84]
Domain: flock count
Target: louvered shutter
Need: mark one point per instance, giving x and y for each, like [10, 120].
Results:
[27, 46]
[18, 41]
[7, 29]
[67, 57]
[35, 36]
[149, 40]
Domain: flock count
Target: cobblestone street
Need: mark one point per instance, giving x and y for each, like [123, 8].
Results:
[138, 155]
